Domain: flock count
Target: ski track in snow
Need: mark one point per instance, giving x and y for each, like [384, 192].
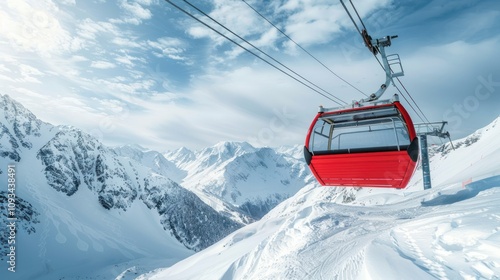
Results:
[405, 240]
[456, 238]
[348, 251]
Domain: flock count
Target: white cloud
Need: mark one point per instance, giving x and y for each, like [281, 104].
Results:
[308, 22]
[312, 22]
[162, 104]
[129, 60]
[6, 78]
[29, 93]
[29, 74]
[238, 17]
[100, 64]
[89, 29]
[168, 47]
[29, 70]
[320, 18]
[234, 15]
[443, 77]
[3, 68]
[136, 11]
[235, 105]
[68, 2]
[268, 38]
[112, 106]
[78, 58]
[146, 2]
[124, 86]
[30, 28]
[126, 42]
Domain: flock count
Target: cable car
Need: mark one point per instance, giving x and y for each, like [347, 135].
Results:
[369, 143]
[367, 146]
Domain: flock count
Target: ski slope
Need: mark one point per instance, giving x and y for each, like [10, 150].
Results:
[451, 231]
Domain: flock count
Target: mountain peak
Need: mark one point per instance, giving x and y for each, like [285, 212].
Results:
[229, 148]
[182, 151]
[20, 128]
[154, 160]
[180, 156]
[223, 151]
[9, 104]
[232, 143]
[131, 149]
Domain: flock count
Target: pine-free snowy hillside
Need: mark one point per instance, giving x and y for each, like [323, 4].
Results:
[451, 231]
[84, 211]
[240, 180]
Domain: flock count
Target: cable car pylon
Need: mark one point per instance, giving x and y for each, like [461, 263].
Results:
[429, 129]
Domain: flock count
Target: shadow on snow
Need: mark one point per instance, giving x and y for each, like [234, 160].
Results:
[470, 191]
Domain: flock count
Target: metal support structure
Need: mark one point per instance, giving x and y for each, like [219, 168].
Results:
[356, 104]
[424, 130]
[426, 172]
[378, 46]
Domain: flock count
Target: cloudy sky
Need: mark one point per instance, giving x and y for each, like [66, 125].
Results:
[141, 71]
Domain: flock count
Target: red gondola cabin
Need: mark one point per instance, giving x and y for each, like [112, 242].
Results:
[371, 146]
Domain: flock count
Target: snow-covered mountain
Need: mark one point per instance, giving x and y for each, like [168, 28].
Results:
[451, 231]
[240, 180]
[152, 159]
[79, 194]
[80, 206]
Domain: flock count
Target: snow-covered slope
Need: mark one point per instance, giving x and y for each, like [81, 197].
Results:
[240, 180]
[449, 232]
[83, 210]
[479, 153]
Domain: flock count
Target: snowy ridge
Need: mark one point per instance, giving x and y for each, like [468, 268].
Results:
[448, 232]
[240, 180]
[479, 153]
[19, 130]
[152, 159]
[72, 158]
[181, 157]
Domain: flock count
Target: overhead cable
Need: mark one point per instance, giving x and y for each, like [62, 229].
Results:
[261, 51]
[303, 49]
[249, 51]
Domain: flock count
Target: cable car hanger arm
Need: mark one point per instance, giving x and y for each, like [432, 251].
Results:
[376, 46]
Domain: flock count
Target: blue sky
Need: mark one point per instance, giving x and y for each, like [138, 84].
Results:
[140, 71]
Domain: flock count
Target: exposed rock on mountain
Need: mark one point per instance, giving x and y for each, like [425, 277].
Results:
[72, 160]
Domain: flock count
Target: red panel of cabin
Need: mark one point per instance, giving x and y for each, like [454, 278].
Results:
[374, 169]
